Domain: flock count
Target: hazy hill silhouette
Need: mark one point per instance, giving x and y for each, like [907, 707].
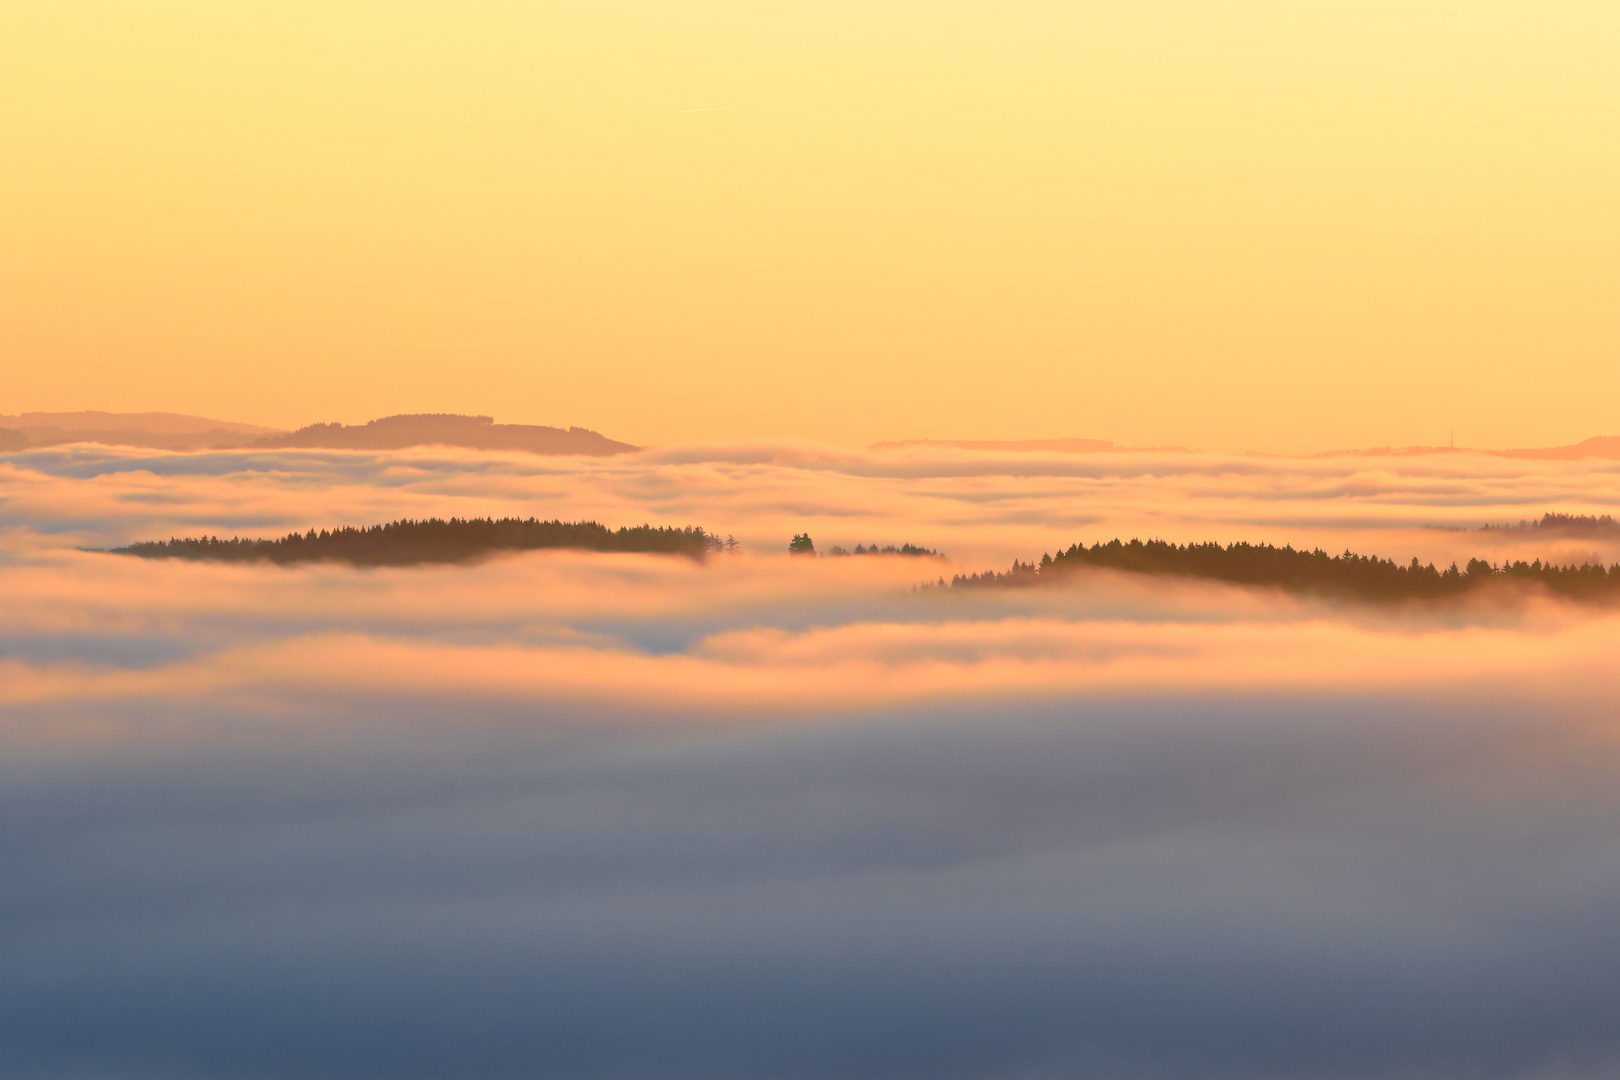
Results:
[434, 540]
[1599, 446]
[449, 429]
[1383, 451]
[1065, 446]
[1572, 525]
[151, 430]
[176, 431]
[152, 423]
[1360, 577]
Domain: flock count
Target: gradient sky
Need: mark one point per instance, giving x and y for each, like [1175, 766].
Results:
[1241, 225]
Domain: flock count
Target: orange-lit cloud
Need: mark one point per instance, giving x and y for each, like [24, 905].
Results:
[975, 506]
[628, 772]
[760, 633]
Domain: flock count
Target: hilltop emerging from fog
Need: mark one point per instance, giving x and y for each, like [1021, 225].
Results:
[152, 430]
[179, 432]
[175, 431]
[1358, 577]
[450, 429]
[1562, 525]
[405, 543]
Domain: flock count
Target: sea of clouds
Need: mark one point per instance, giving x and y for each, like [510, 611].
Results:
[585, 815]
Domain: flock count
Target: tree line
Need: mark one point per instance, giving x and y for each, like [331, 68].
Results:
[1365, 577]
[801, 544]
[434, 540]
[1566, 525]
[886, 549]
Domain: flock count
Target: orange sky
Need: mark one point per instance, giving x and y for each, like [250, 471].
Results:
[1245, 225]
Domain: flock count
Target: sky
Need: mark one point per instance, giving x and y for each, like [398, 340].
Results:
[606, 815]
[1254, 225]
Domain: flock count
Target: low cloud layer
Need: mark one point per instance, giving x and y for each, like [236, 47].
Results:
[974, 506]
[566, 814]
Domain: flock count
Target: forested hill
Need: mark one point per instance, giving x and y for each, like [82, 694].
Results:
[1365, 577]
[449, 429]
[434, 540]
[1564, 525]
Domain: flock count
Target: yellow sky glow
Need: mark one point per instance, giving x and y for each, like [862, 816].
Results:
[1240, 225]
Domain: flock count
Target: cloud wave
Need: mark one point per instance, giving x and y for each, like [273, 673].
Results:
[611, 815]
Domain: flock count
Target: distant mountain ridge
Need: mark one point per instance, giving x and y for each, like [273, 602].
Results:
[177, 431]
[153, 430]
[1599, 446]
[1062, 446]
[182, 432]
[157, 423]
[450, 429]
[1050, 446]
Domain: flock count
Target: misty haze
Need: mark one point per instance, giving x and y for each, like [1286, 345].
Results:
[763, 541]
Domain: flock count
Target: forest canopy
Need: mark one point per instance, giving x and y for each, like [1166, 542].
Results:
[1564, 525]
[1362, 577]
[433, 540]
